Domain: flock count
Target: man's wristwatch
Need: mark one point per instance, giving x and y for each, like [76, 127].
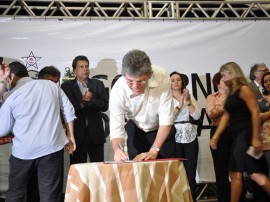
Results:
[155, 148]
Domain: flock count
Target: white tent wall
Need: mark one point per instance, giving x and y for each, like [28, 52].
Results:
[190, 47]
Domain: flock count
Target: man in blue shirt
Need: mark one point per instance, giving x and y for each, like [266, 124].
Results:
[32, 113]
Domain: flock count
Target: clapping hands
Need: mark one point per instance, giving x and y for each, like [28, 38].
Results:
[87, 96]
[186, 95]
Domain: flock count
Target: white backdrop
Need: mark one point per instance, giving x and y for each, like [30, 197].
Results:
[190, 47]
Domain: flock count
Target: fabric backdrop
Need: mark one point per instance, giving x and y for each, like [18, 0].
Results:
[194, 48]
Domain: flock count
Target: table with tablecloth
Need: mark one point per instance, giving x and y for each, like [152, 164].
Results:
[147, 181]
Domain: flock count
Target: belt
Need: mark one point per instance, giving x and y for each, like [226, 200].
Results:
[181, 122]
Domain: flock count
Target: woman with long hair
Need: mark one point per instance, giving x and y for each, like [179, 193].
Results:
[241, 111]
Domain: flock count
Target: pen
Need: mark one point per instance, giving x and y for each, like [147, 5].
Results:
[120, 146]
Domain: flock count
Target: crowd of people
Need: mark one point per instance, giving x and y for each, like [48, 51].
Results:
[153, 108]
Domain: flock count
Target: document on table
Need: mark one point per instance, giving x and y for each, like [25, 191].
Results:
[150, 160]
[117, 162]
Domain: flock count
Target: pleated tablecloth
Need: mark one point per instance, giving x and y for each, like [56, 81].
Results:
[147, 181]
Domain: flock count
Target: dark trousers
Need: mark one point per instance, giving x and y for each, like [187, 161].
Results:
[221, 157]
[32, 189]
[139, 141]
[94, 151]
[49, 170]
[189, 151]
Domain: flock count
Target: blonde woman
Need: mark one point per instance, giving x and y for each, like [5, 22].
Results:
[241, 111]
[185, 111]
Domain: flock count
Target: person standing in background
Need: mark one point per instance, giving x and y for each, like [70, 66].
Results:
[264, 105]
[18, 77]
[50, 73]
[39, 138]
[5, 70]
[143, 96]
[53, 74]
[185, 111]
[221, 156]
[89, 98]
[241, 111]
[256, 73]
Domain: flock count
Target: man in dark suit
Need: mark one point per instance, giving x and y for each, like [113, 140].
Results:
[256, 73]
[89, 98]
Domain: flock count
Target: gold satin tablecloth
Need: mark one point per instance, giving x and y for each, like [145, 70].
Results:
[150, 181]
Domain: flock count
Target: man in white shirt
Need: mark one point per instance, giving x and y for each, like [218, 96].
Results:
[142, 96]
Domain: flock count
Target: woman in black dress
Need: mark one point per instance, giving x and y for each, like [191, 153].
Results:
[241, 111]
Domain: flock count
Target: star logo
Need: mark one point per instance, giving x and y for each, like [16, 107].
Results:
[31, 60]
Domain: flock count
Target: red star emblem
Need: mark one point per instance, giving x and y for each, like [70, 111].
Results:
[31, 60]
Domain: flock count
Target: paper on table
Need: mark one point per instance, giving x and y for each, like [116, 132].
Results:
[117, 162]
[150, 160]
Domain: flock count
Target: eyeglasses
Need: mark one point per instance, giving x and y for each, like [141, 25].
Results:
[263, 70]
[138, 83]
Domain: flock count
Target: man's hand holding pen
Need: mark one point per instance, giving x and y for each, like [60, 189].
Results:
[120, 154]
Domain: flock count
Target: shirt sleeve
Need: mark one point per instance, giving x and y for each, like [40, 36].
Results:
[196, 114]
[117, 116]
[67, 109]
[165, 110]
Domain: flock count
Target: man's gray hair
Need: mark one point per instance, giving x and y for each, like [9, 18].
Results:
[253, 69]
[136, 63]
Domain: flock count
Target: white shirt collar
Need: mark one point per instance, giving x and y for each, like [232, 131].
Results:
[257, 84]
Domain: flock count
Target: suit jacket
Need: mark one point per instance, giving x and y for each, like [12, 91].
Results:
[255, 88]
[91, 112]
